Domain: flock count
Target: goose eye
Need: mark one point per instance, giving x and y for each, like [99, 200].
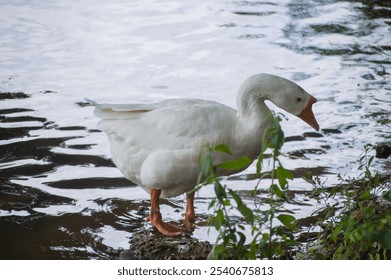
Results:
[298, 99]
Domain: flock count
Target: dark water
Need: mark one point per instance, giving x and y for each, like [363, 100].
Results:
[61, 197]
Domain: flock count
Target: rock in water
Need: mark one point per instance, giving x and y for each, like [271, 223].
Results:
[383, 151]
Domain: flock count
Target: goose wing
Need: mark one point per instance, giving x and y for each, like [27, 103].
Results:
[171, 124]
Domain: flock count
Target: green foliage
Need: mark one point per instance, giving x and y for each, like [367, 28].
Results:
[355, 222]
[387, 195]
[362, 227]
[384, 122]
[258, 237]
[238, 164]
[222, 148]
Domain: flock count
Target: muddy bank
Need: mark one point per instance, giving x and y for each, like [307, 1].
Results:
[146, 245]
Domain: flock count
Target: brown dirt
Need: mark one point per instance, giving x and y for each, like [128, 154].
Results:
[146, 245]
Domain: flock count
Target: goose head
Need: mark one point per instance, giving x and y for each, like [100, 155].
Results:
[284, 93]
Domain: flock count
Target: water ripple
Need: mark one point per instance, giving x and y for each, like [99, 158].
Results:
[61, 196]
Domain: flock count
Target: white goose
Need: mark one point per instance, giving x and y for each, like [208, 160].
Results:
[157, 145]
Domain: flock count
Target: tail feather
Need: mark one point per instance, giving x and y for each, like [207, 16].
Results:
[90, 102]
[119, 111]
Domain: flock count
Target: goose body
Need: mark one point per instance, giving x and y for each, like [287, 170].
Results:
[157, 145]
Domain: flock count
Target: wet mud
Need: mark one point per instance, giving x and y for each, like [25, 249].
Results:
[146, 245]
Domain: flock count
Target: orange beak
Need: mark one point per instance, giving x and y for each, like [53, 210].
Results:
[308, 116]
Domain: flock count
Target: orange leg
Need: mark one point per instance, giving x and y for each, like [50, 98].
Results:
[189, 214]
[156, 218]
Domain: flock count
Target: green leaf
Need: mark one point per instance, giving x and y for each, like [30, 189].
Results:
[384, 238]
[241, 163]
[387, 195]
[276, 134]
[220, 192]
[277, 140]
[282, 175]
[370, 160]
[236, 197]
[242, 238]
[212, 203]
[259, 165]
[376, 180]
[246, 212]
[222, 148]
[276, 190]
[205, 162]
[219, 221]
[273, 137]
[287, 220]
[365, 195]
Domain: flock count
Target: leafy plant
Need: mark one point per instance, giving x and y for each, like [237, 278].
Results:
[361, 229]
[267, 240]
[356, 219]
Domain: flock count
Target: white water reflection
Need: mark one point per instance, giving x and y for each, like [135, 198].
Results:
[59, 52]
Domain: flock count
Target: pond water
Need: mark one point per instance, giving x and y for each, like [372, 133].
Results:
[61, 197]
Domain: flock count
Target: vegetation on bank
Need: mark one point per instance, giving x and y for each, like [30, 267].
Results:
[358, 226]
